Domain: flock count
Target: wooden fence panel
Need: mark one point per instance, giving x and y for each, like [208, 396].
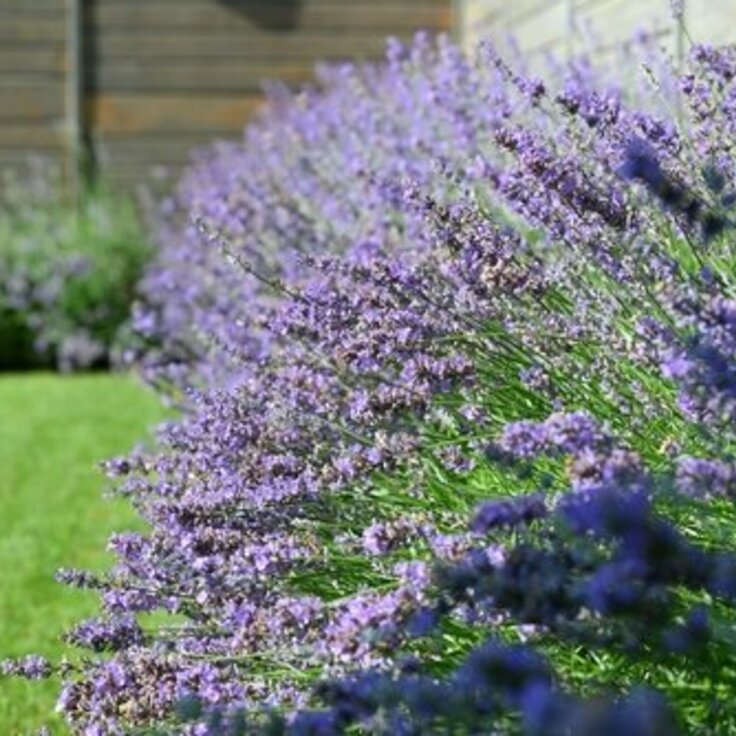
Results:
[31, 101]
[41, 61]
[151, 79]
[32, 78]
[232, 47]
[161, 76]
[336, 15]
[194, 69]
[161, 114]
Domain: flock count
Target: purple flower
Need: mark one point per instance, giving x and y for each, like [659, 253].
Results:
[31, 667]
[691, 635]
[704, 478]
[619, 586]
[509, 512]
[606, 512]
[112, 634]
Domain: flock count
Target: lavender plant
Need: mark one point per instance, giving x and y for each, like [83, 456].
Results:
[426, 120]
[597, 565]
[519, 314]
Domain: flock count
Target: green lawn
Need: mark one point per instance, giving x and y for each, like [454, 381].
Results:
[53, 431]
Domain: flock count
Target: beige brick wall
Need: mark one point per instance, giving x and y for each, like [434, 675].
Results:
[566, 25]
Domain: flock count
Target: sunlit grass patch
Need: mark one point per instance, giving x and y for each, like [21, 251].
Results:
[53, 431]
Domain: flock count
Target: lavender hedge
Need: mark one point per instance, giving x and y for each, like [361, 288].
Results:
[485, 388]
[425, 121]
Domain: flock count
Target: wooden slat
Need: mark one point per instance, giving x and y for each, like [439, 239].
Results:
[245, 78]
[18, 159]
[31, 12]
[149, 143]
[135, 113]
[31, 60]
[51, 81]
[310, 46]
[165, 151]
[115, 9]
[146, 178]
[30, 102]
[212, 17]
[133, 174]
[31, 81]
[14, 6]
[31, 137]
[34, 30]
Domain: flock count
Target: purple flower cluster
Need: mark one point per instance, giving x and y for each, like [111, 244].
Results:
[32, 667]
[513, 512]
[620, 594]
[494, 682]
[429, 121]
[99, 635]
[704, 478]
[478, 321]
[699, 354]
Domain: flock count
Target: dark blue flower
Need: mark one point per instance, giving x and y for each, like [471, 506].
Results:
[691, 635]
[605, 511]
[509, 512]
[617, 587]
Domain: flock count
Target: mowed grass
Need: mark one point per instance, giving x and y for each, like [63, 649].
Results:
[53, 432]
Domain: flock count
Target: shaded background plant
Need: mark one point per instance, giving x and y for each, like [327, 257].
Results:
[69, 272]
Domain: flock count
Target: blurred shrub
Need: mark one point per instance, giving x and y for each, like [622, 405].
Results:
[68, 271]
